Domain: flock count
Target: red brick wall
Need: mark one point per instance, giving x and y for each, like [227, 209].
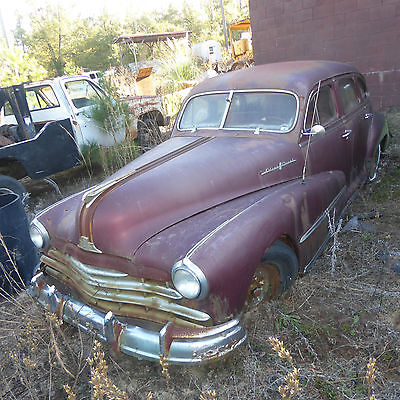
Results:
[363, 33]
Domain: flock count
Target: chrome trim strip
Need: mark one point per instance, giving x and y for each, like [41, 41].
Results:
[317, 254]
[90, 196]
[218, 228]
[315, 225]
[104, 278]
[195, 347]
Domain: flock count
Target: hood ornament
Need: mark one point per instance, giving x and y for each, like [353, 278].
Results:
[278, 167]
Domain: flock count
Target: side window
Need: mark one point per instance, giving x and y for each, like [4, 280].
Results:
[362, 87]
[7, 109]
[325, 112]
[41, 97]
[33, 102]
[81, 93]
[348, 94]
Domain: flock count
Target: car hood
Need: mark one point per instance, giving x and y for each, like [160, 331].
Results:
[176, 180]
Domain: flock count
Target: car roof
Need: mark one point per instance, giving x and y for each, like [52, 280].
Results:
[57, 79]
[296, 76]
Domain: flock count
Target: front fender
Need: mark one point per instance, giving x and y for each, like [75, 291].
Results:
[230, 254]
[228, 241]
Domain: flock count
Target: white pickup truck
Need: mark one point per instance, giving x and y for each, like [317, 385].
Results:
[44, 124]
[72, 98]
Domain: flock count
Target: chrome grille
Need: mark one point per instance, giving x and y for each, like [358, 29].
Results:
[115, 291]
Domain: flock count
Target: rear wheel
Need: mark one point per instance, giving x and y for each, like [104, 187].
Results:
[276, 272]
[11, 185]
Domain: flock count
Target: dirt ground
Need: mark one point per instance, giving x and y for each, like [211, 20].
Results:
[332, 321]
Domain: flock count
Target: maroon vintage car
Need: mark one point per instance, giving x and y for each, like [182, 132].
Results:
[165, 256]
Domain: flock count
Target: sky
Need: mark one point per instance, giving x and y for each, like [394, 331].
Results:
[119, 8]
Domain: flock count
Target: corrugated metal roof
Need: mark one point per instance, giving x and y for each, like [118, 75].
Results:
[151, 37]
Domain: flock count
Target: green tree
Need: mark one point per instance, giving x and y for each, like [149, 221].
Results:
[92, 44]
[49, 39]
[17, 66]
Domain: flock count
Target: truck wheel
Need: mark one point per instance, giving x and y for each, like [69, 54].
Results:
[11, 185]
[277, 271]
[149, 133]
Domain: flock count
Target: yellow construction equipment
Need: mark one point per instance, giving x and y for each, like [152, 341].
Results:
[240, 40]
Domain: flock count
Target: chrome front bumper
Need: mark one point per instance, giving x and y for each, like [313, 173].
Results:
[177, 345]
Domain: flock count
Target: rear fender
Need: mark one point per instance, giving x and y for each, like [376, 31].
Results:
[378, 133]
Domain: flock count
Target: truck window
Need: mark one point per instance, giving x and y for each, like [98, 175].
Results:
[41, 97]
[81, 93]
[38, 98]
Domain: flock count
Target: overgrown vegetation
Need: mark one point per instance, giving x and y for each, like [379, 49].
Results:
[109, 159]
[178, 66]
[109, 111]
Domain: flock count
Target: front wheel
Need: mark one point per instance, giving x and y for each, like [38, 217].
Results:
[276, 273]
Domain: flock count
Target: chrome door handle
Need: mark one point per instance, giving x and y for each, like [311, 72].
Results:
[368, 115]
[346, 133]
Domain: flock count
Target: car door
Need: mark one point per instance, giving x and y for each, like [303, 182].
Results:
[323, 152]
[353, 109]
[327, 150]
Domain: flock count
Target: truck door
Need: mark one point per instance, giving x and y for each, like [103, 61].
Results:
[82, 94]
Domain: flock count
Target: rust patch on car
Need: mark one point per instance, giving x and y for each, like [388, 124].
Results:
[118, 328]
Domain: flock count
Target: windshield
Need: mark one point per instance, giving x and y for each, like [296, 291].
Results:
[269, 111]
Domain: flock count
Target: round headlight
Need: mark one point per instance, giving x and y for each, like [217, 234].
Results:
[189, 280]
[39, 235]
[186, 283]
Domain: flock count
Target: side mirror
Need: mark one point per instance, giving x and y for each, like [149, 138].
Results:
[315, 130]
